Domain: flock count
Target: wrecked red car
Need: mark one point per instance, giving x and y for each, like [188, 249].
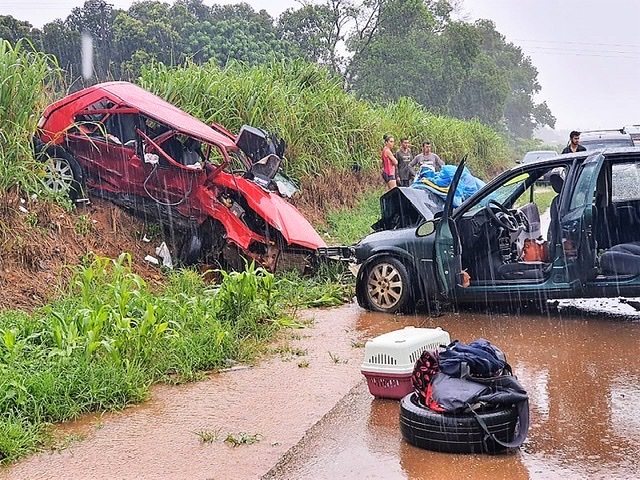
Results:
[218, 196]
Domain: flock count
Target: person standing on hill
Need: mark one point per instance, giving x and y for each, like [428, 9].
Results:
[574, 143]
[389, 162]
[403, 156]
[426, 159]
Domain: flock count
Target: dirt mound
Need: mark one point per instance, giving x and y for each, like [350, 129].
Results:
[42, 242]
[331, 190]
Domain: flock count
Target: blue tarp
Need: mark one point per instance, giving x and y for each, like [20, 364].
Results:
[438, 182]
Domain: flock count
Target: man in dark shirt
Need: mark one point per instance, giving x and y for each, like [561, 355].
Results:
[574, 143]
[403, 155]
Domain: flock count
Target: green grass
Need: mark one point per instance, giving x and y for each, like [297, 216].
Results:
[208, 436]
[347, 226]
[543, 198]
[108, 337]
[28, 77]
[237, 439]
[322, 123]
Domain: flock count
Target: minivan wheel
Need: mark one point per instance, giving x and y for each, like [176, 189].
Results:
[385, 286]
[62, 173]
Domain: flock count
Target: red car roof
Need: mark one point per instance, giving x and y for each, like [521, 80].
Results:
[151, 105]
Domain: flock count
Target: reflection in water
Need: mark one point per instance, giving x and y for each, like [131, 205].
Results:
[581, 375]
[538, 390]
[420, 464]
[625, 408]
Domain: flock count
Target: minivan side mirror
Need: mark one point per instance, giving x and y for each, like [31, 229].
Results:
[426, 229]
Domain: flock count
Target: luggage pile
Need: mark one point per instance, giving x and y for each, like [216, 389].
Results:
[465, 400]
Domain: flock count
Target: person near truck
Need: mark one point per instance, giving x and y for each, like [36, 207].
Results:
[574, 143]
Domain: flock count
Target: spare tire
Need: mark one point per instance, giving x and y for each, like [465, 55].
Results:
[455, 433]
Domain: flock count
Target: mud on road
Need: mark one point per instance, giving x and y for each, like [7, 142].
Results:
[273, 403]
[580, 367]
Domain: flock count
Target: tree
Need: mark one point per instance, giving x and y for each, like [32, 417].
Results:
[319, 31]
[12, 29]
[244, 35]
[483, 94]
[521, 113]
[148, 28]
[189, 29]
[412, 54]
[96, 17]
[453, 68]
[58, 39]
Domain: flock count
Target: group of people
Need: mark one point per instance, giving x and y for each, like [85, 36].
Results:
[400, 169]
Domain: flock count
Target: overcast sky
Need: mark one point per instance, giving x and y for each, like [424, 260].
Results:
[587, 52]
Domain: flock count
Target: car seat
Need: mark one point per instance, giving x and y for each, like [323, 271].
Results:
[533, 229]
[556, 179]
[190, 155]
[621, 259]
[535, 270]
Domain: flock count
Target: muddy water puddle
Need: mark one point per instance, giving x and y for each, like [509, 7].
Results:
[311, 414]
[580, 366]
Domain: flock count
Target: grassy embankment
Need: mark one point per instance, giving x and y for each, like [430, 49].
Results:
[107, 336]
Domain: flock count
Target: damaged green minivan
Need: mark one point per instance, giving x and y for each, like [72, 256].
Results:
[513, 241]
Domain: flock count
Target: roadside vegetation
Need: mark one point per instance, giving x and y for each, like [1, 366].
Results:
[451, 67]
[347, 226]
[108, 337]
[326, 127]
[333, 138]
[28, 78]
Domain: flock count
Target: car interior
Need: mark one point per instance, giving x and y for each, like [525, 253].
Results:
[494, 234]
[617, 218]
[499, 234]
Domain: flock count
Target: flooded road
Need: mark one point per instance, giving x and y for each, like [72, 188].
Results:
[582, 373]
[311, 415]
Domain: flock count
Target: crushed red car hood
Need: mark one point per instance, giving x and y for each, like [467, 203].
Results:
[295, 228]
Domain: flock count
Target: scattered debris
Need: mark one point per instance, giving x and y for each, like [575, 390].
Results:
[151, 259]
[163, 252]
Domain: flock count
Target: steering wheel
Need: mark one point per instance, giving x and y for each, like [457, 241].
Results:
[503, 217]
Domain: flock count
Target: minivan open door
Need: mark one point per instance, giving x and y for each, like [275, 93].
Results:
[448, 252]
[578, 242]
